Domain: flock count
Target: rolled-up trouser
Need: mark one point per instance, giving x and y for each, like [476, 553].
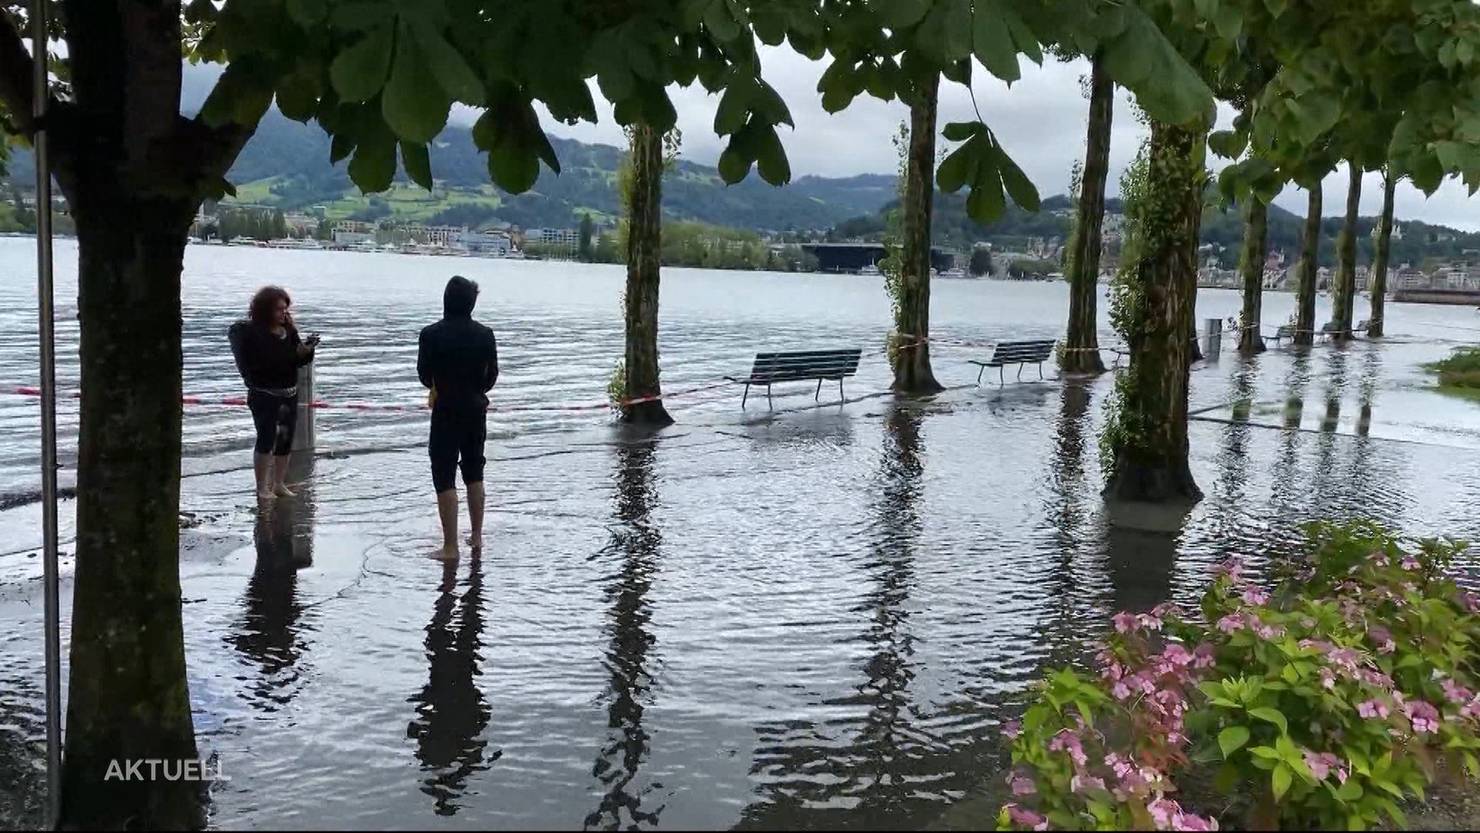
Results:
[458, 434]
[275, 418]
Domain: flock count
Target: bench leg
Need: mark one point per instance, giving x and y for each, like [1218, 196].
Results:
[980, 370]
[840, 390]
[1001, 379]
[768, 396]
[1020, 371]
[746, 396]
[1040, 370]
[818, 395]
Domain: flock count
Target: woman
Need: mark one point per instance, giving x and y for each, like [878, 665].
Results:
[268, 354]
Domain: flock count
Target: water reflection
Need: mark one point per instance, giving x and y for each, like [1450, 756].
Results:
[1071, 531]
[451, 712]
[812, 777]
[637, 543]
[273, 615]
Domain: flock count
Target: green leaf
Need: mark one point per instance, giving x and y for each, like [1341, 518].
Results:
[1229, 21]
[1350, 791]
[513, 168]
[1280, 781]
[946, 33]
[957, 168]
[986, 202]
[960, 131]
[449, 68]
[771, 157]
[1018, 185]
[901, 14]
[1268, 753]
[1271, 716]
[733, 108]
[359, 72]
[308, 12]
[360, 15]
[733, 166]
[720, 23]
[1229, 144]
[414, 105]
[340, 147]
[418, 164]
[992, 42]
[374, 164]
[1314, 116]
[1232, 739]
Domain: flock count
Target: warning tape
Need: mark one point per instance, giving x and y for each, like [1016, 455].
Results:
[320, 405]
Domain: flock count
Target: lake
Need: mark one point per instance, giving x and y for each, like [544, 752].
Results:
[814, 615]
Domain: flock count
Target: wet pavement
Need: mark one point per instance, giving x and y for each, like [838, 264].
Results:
[814, 616]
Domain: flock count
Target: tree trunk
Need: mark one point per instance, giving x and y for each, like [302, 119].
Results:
[1251, 265]
[127, 694]
[1194, 342]
[1346, 254]
[1150, 445]
[644, 232]
[1310, 251]
[1378, 284]
[1082, 347]
[912, 372]
[127, 162]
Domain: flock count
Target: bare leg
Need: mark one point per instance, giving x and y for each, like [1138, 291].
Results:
[447, 510]
[475, 515]
[262, 470]
[280, 475]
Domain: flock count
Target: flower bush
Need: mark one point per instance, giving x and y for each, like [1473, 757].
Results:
[1322, 705]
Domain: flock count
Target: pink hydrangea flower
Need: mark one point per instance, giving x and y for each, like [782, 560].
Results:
[1085, 783]
[1023, 786]
[1379, 559]
[1232, 623]
[1026, 818]
[1264, 631]
[1409, 563]
[1372, 709]
[1118, 765]
[1471, 709]
[1188, 821]
[1177, 654]
[1456, 693]
[1233, 568]
[1149, 621]
[1204, 656]
[1120, 691]
[1383, 638]
[1471, 601]
[1067, 741]
[1162, 811]
[1255, 596]
[1321, 764]
[1124, 622]
[1012, 729]
[1423, 716]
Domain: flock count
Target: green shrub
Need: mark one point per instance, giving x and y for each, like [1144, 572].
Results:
[1349, 689]
[1461, 370]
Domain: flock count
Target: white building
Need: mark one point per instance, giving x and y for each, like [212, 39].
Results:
[561, 239]
[494, 243]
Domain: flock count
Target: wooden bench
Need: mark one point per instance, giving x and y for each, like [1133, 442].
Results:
[1019, 353]
[1285, 331]
[1362, 326]
[822, 365]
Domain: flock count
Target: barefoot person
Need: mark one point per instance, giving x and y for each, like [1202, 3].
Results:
[268, 354]
[457, 359]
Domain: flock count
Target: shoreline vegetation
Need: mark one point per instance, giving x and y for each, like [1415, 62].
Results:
[1459, 374]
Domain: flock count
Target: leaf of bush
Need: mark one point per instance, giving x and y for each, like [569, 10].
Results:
[1232, 739]
[414, 103]
[1271, 716]
[1280, 781]
[449, 68]
[418, 164]
[1018, 185]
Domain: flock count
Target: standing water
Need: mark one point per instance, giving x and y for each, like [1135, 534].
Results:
[808, 615]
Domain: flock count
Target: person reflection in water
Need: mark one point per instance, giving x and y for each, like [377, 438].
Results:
[457, 360]
[451, 713]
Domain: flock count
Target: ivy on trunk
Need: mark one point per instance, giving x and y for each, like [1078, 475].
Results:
[1378, 287]
[644, 233]
[1310, 250]
[1082, 347]
[1345, 290]
[912, 372]
[1251, 268]
[1146, 438]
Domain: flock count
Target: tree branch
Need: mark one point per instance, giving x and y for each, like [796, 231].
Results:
[218, 132]
[16, 69]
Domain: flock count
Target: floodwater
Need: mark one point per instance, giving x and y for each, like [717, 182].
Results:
[814, 615]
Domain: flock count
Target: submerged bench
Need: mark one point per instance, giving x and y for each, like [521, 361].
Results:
[1285, 331]
[803, 365]
[1019, 353]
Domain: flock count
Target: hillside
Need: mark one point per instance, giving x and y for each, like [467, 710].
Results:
[952, 228]
[286, 164]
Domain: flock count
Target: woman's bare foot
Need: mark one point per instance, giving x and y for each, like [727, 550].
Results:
[447, 552]
[283, 491]
[475, 541]
[265, 496]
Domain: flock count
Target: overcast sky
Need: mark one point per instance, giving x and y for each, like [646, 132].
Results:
[1041, 121]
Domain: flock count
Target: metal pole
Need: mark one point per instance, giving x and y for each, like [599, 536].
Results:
[41, 93]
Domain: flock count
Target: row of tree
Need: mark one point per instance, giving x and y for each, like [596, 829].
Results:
[380, 76]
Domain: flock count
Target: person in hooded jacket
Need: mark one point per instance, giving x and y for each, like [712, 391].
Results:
[457, 360]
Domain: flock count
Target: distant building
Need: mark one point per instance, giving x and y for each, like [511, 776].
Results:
[561, 240]
[495, 243]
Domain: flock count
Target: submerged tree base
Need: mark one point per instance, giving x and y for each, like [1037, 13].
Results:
[1158, 483]
[647, 413]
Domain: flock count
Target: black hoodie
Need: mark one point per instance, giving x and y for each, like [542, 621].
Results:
[457, 356]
